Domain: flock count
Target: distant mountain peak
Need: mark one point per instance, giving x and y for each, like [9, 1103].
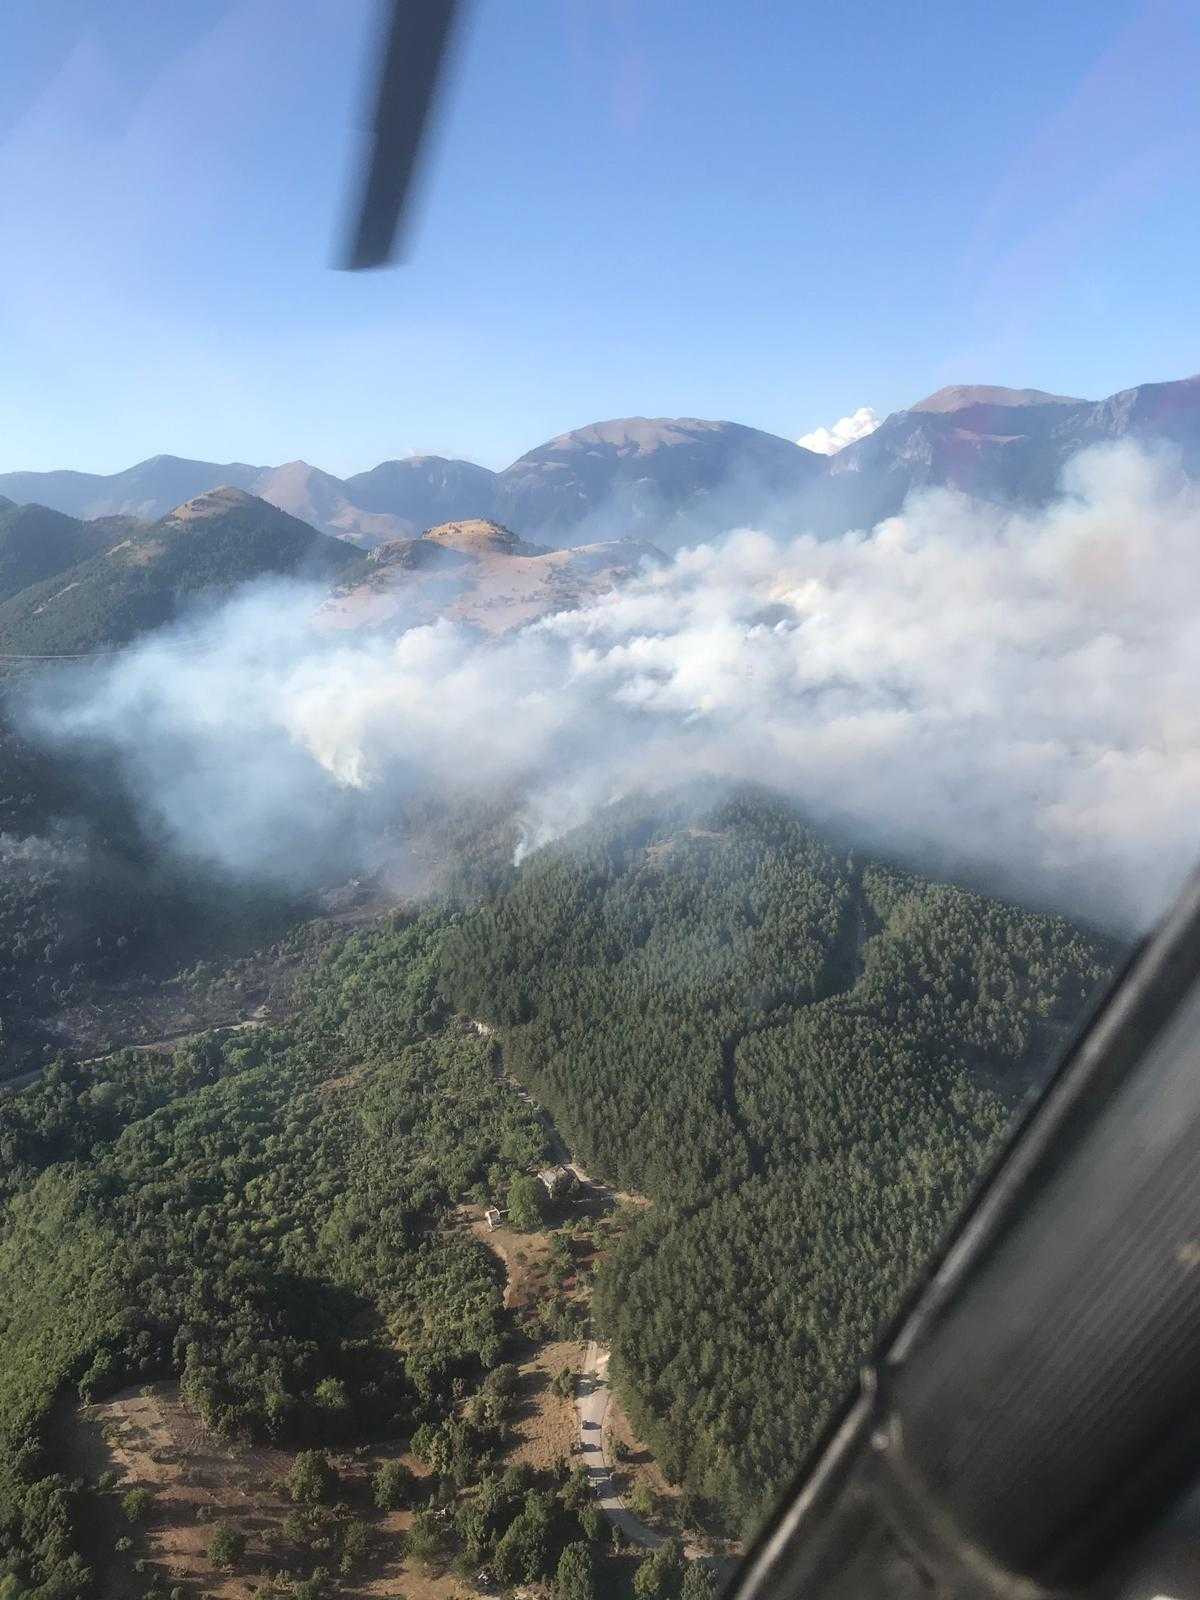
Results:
[961, 396]
[481, 536]
[214, 503]
[675, 479]
[638, 435]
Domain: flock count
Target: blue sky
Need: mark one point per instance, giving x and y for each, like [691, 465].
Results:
[764, 211]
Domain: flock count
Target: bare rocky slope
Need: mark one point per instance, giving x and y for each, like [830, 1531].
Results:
[478, 572]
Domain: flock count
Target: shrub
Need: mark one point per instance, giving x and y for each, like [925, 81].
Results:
[576, 1492]
[311, 1479]
[502, 1380]
[525, 1552]
[526, 1203]
[699, 1582]
[642, 1500]
[426, 1540]
[591, 1520]
[356, 1539]
[314, 1587]
[574, 1578]
[392, 1485]
[227, 1545]
[660, 1575]
[136, 1503]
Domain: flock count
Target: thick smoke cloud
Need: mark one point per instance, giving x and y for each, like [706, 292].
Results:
[1008, 695]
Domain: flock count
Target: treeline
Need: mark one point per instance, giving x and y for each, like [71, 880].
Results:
[801, 1057]
[260, 1215]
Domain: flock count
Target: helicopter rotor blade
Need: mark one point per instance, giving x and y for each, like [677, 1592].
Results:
[415, 43]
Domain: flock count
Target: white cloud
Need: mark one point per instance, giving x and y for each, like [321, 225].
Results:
[828, 441]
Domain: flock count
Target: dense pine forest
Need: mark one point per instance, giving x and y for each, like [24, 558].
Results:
[802, 1059]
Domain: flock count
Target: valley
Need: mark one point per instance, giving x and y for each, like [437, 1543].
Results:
[554, 984]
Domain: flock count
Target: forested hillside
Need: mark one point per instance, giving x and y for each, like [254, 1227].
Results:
[142, 575]
[36, 543]
[802, 1058]
[261, 1218]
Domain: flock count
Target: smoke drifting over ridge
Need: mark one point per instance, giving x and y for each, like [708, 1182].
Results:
[1011, 695]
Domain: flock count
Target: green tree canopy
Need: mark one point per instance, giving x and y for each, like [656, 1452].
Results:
[660, 1575]
[574, 1578]
[227, 1545]
[312, 1478]
[699, 1582]
[392, 1485]
[526, 1203]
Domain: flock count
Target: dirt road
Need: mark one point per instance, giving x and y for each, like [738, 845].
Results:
[27, 1079]
[592, 1395]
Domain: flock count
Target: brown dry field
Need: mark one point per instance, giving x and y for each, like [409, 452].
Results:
[546, 1425]
[524, 1256]
[148, 1437]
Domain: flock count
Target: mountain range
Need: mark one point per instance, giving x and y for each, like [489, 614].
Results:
[671, 480]
[89, 562]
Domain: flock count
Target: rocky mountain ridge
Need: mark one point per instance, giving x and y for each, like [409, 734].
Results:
[672, 480]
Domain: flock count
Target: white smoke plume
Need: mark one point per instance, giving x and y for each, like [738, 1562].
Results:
[1012, 695]
[846, 430]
